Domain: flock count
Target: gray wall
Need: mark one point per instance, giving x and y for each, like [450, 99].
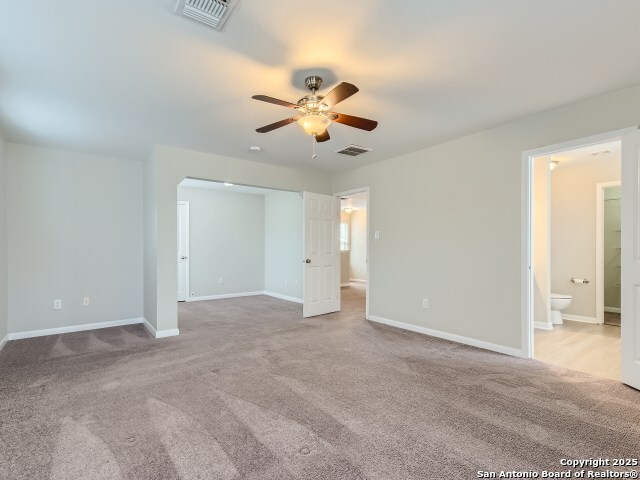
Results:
[150, 234]
[75, 230]
[573, 228]
[4, 323]
[172, 165]
[454, 211]
[226, 240]
[283, 244]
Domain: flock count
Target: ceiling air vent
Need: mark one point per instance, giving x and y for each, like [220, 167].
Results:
[210, 12]
[353, 150]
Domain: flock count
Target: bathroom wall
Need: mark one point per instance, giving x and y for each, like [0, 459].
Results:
[358, 260]
[612, 247]
[345, 256]
[573, 226]
[540, 243]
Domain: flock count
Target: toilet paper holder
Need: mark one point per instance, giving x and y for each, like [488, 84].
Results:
[579, 280]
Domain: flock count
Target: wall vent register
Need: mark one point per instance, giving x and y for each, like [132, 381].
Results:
[353, 150]
[213, 13]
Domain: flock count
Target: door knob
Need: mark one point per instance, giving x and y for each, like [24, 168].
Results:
[307, 260]
[183, 258]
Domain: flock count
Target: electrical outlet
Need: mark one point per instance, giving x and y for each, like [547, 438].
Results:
[376, 235]
[425, 303]
[57, 304]
[86, 301]
[297, 282]
[221, 280]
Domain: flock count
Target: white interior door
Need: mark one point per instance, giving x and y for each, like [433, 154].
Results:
[321, 219]
[183, 251]
[630, 260]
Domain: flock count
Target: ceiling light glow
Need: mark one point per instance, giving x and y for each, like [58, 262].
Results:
[314, 123]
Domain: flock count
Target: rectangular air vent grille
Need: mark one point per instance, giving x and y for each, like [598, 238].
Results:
[353, 150]
[210, 12]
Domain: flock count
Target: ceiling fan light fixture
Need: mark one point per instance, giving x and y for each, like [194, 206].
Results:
[314, 124]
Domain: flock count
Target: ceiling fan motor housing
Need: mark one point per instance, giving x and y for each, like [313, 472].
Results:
[313, 82]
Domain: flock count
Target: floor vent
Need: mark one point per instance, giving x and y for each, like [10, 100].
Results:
[353, 150]
[210, 12]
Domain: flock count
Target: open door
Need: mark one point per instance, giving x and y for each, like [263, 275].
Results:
[630, 260]
[321, 219]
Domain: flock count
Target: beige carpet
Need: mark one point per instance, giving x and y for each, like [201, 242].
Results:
[251, 390]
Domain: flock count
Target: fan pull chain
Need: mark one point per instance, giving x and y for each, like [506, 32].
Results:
[313, 148]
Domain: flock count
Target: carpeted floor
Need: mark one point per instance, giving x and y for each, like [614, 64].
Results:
[251, 390]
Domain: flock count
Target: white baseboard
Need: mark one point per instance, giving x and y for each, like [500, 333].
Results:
[543, 325]
[515, 352]
[159, 333]
[283, 297]
[579, 318]
[612, 309]
[357, 280]
[226, 295]
[4, 341]
[73, 328]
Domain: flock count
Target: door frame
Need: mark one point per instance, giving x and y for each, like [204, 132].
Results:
[188, 262]
[366, 190]
[526, 240]
[600, 187]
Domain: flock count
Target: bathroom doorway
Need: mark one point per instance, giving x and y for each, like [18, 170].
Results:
[575, 251]
[608, 249]
[354, 248]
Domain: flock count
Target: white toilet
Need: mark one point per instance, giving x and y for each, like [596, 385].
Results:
[559, 301]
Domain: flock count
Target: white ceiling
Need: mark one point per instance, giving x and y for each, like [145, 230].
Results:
[196, 183]
[115, 77]
[356, 201]
[590, 153]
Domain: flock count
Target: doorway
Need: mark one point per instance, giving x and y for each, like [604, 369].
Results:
[354, 247]
[608, 249]
[245, 241]
[566, 257]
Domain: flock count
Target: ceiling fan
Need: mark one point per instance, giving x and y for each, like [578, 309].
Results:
[315, 111]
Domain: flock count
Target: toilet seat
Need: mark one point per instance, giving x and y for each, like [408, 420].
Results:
[560, 296]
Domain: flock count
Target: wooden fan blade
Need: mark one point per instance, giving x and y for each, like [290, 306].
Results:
[323, 137]
[264, 98]
[281, 123]
[357, 122]
[339, 93]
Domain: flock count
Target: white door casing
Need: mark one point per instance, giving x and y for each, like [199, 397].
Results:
[630, 260]
[183, 251]
[321, 247]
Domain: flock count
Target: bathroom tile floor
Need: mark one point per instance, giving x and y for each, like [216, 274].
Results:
[584, 347]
